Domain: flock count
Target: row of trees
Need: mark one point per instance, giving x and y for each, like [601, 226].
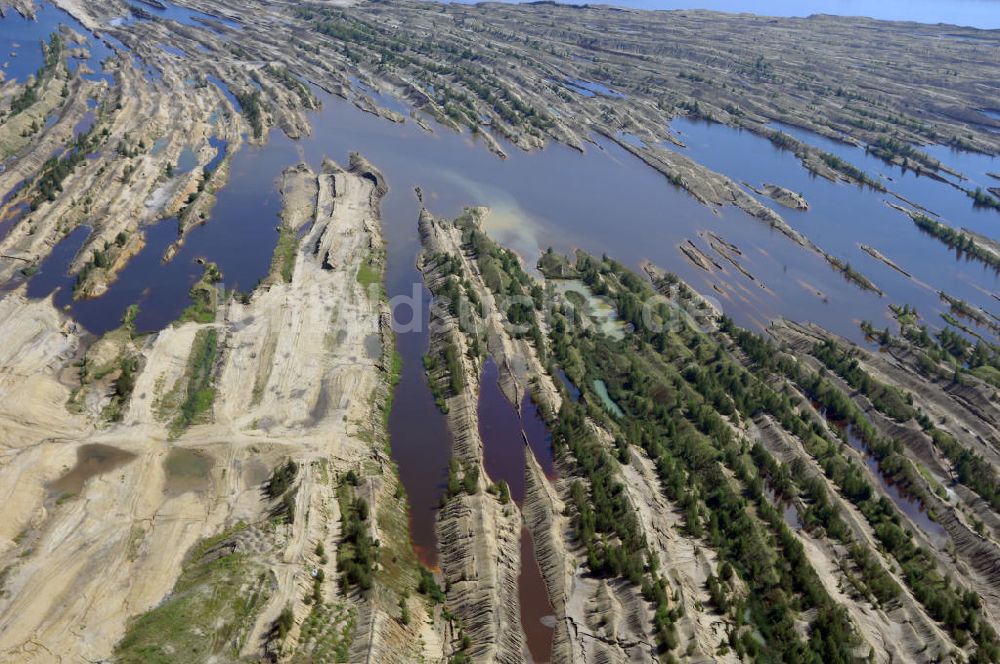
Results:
[682, 431]
[956, 609]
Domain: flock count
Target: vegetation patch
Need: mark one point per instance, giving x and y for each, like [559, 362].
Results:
[957, 240]
[121, 392]
[252, 109]
[282, 487]
[199, 394]
[283, 261]
[358, 552]
[204, 297]
[326, 634]
[52, 56]
[209, 613]
[369, 276]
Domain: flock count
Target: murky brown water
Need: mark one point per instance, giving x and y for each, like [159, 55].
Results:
[504, 448]
[92, 460]
[187, 470]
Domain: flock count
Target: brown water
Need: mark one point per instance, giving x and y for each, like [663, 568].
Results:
[92, 460]
[536, 610]
[504, 438]
[187, 470]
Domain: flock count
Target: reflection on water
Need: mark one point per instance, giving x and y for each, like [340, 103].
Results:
[574, 391]
[601, 388]
[21, 39]
[842, 217]
[903, 499]
[240, 238]
[603, 201]
[789, 512]
[183, 15]
[536, 610]
[53, 272]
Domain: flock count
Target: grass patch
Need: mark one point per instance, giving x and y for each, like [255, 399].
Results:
[987, 373]
[200, 393]
[398, 565]
[395, 372]
[283, 261]
[203, 297]
[369, 276]
[208, 615]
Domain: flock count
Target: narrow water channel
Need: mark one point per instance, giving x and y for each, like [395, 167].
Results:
[909, 504]
[504, 438]
[789, 512]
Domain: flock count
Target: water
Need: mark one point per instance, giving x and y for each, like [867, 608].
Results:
[574, 391]
[603, 201]
[843, 216]
[183, 15]
[239, 237]
[385, 100]
[187, 470]
[9, 216]
[91, 460]
[536, 610]
[23, 37]
[85, 124]
[503, 438]
[977, 13]
[789, 513]
[910, 505]
[172, 50]
[631, 139]
[187, 160]
[221, 146]
[941, 198]
[595, 88]
[601, 388]
[590, 88]
[53, 272]
[225, 91]
[646, 218]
